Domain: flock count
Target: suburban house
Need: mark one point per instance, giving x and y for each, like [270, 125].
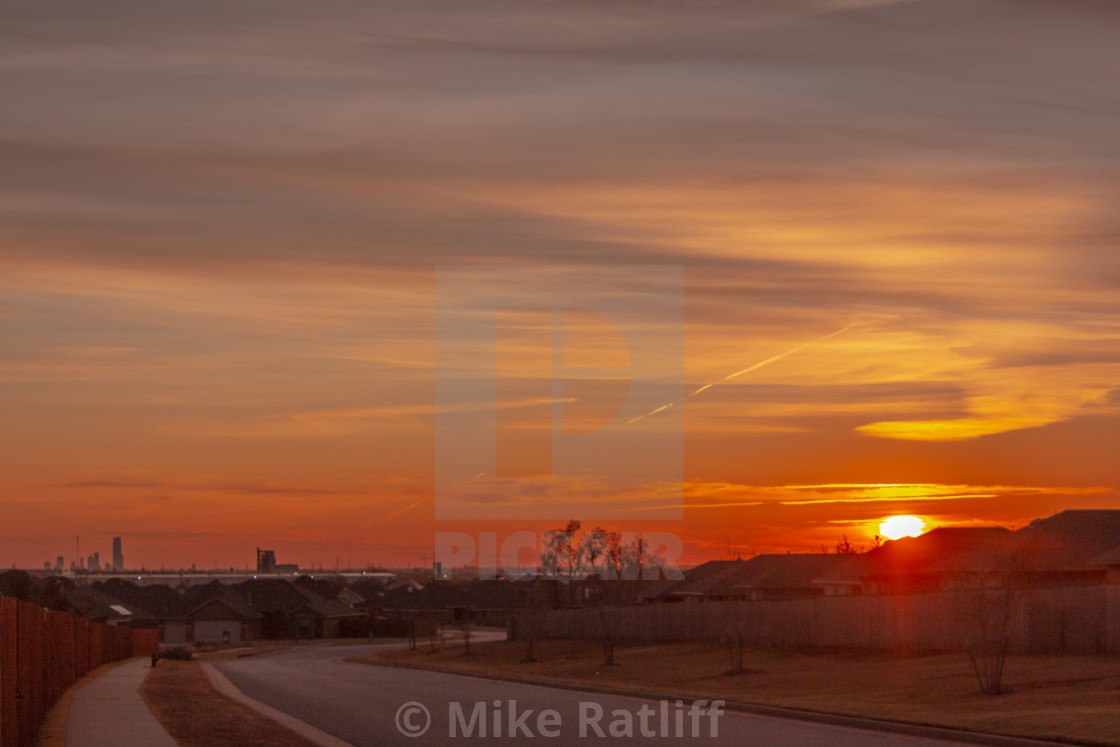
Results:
[351, 598]
[488, 602]
[763, 577]
[943, 558]
[709, 581]
[223, 618]
[96, 606]
[1067, 541]
[1071, 548]
[293, 610]
[319, 617]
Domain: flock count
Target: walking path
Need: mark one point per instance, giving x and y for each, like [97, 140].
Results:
[109, 712]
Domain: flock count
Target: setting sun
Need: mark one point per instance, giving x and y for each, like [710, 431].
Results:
[901, 526]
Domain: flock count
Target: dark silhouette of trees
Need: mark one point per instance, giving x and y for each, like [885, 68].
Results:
[845, 546]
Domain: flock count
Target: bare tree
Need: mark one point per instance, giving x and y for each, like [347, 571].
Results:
[607, 634]
[550, 555]
[465, 626]
[634, 558]
[990, 594]
[572, 555]
[987, 647]
[435, 635]
[593, 547]
[846, 547]
[612, 564]
[530, 622]
[561, 549]
[733, 634]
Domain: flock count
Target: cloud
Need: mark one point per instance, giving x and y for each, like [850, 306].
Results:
[219, 224]
[722, 495]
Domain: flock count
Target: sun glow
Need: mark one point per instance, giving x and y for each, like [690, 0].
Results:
[901, 526]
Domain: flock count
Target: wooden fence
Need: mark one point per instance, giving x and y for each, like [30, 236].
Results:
[1083, 620]
[42, 653]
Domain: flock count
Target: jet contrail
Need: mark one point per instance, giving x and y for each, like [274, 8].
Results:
[748, 369]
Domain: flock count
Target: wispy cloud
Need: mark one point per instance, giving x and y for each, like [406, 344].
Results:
[737, 374]
[219, 226]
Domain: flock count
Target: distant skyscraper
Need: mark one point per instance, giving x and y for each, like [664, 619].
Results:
[58, 566]
[118, 555]
[266, 561]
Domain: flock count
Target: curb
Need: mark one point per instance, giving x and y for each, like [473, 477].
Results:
[222, 684]
[902, 728]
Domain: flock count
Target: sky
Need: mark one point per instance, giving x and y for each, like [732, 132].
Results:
[221, 227]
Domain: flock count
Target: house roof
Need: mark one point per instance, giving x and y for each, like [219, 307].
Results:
[271, 596]
[368, 587]
[941, 550]
[768, 571]
[322, 606]
[97, 606]
[1071, 538]
[404, 583]
[946, 549]
[651, 588]
[161, 600]
[444, 595]
[21, 585]
[788, 571]
[350, 597]
[705, 579]
[231, 598]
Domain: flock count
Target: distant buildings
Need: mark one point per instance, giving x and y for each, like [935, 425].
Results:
[118, 555]
[266, 561]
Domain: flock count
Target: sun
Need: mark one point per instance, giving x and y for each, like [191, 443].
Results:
[901, 526]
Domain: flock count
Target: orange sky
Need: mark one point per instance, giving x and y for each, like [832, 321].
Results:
[219, 228]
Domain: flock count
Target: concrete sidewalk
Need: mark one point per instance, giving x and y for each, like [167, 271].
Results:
[109, 712]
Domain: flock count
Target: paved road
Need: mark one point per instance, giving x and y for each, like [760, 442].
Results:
[359, 703]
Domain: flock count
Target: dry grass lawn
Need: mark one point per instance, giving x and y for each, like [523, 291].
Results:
[196, 715]
[1058, 697]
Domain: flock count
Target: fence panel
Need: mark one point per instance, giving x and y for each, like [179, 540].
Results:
[81, 647]
[1058, 620]
[30, 664]
[9, 668]
[64, 639]
[42, 653]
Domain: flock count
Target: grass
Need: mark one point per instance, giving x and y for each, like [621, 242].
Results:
[1068, 698]
[196, 715]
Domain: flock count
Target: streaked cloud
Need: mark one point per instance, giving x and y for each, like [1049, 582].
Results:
[218, 227]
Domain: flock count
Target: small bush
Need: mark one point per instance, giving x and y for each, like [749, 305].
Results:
[179, 653]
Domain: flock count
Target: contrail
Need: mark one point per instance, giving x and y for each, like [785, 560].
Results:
[748, 369]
